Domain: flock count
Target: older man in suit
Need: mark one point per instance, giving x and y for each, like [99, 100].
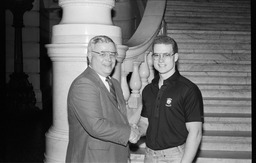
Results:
[99, 130]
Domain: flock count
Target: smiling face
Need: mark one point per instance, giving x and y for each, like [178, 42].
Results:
[102, 65]
[165, 65]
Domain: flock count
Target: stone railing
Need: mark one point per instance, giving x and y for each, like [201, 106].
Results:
[138, 60]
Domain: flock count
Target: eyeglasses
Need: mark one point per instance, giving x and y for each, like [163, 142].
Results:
[104, 54]
[156, 56]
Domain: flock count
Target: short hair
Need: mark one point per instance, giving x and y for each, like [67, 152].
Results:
[161, 39]
[98, 39]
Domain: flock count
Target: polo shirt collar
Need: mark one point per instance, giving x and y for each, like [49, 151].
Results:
[171, 79]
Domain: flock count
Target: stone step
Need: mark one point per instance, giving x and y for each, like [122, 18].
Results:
[232, 36]
[216, 42]
[213, 45]
[208, 4]
[214, 67]
[219, 80]
[211, 61]
[206, 9]
[245, 134]
[226, 126]
[229, 80]
[184, 39]
[211, 156]
[216, 51]
[215, 74]
[225, 87]
[224, 143]
[226, 93]
[209, 26]
[214, 57]
[226, 109]
[227, 117]
[226, 19]
[199, 80]
[223, 55]
[221, 1]
[208, 157]
[205, 14]
[215, 34]
[226, 140]
[245, 102]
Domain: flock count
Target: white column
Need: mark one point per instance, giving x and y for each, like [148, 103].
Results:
[65, 68]
[82, 20]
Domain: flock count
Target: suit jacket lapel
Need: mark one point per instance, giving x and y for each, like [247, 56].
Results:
[103, 87]
[121, 104]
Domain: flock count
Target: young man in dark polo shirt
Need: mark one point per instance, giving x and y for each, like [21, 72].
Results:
[172, 113]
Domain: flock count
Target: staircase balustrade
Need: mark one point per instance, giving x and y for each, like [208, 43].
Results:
[138, 59]
[135, 85]
[144, 72]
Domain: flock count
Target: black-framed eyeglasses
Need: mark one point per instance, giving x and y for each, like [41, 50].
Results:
[104, 54]
[156, 56]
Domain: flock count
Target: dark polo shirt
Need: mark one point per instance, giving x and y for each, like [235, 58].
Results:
[177, 102]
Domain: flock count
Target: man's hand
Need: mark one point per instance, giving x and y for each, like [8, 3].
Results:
[135, 134]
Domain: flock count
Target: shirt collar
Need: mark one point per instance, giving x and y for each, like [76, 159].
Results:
[171, 79]
[103, 79]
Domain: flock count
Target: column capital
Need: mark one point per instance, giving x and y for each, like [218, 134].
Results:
[18, 8]
[96, 11]
[121, 49]
[109, 3]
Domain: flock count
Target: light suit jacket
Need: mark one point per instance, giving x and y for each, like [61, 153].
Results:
[98, 127]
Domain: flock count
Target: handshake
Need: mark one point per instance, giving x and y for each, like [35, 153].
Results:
[135, 134]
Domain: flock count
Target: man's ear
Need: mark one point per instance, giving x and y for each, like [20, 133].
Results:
[176, 57]
[89, 57]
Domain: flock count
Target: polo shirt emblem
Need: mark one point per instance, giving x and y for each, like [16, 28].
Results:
[168, 102]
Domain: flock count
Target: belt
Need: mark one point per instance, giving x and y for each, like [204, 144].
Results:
[167, 151]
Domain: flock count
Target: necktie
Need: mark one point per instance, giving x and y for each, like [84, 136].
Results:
[112, 89]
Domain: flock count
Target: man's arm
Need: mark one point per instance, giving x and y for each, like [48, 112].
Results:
[137, 122]
[193, 141]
